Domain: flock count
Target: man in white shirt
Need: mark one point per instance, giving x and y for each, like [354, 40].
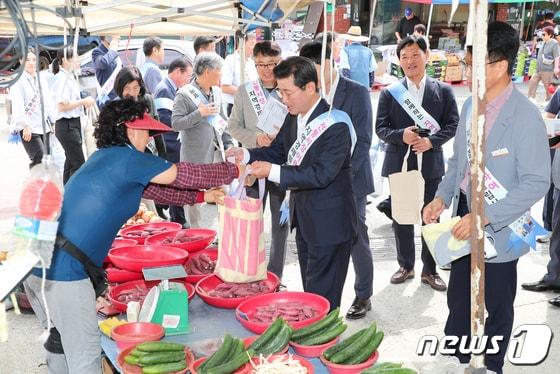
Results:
[231, 71]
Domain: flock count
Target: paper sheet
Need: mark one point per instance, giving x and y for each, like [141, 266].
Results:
[272, 116]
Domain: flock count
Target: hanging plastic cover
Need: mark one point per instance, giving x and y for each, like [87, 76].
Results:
[271, 12]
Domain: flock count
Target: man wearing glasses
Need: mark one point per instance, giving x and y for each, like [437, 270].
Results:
[242, 125]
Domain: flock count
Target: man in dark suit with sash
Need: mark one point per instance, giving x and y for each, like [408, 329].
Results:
[435, 101]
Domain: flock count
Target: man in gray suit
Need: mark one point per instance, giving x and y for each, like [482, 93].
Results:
[517, 156]
[198, 116]
[242, 124]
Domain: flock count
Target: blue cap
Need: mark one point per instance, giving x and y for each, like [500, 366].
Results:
[408, 12]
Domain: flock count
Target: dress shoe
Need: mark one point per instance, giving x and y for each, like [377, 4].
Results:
[555, 302]
[401, 275]
[385, 208]
[540, 286]
[359, 308]
[434, 281]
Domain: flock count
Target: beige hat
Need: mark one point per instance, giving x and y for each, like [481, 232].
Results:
[355, 34]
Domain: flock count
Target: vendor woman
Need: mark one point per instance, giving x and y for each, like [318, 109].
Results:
[98, 200]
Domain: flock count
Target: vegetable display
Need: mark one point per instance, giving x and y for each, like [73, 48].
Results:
[355, 349]
[227, 359]
[322, 331]
[290, 312]
[388, 368]
[158, 357]
[233, 290]
[200, 264]
[274, 339]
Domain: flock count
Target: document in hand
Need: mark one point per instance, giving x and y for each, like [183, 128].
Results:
[552, 126]
[272, 116]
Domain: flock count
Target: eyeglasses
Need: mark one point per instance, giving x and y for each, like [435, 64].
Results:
[266, 66]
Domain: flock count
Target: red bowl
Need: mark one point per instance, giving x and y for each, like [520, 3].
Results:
[127, 368]
[245, 369]
[247, 342]
[120, 242]
[207, 236]
[210, 282]
[166, 226]
[350, 369]
[116, 275]
[305, 363]
[312, 350]
[115, 292]
[248, 308]
[131, 334]
[212, 252]
[137, 257]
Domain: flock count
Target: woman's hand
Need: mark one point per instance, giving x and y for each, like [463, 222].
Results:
[215, 195]
[26, 134]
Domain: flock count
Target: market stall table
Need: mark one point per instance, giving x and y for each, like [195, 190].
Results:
[206, 322]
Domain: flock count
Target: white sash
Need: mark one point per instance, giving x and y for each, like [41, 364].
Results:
[413, 108]
[257, 96]
[109, 84]
[32, 105]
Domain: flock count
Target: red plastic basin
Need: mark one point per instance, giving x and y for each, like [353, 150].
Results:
[212, 281]
[116, 291]
[312, 350]
[249, 307]
[127, 233]
[303, 362]
[131, 334]
[248, 341]
[212, 252]
[137, 257]
[245, 369]
[206, 236]
[120, 242]
[350, 369]
[127, 368]
[116, 275]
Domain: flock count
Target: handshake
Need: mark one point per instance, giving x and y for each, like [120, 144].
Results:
[258, 169]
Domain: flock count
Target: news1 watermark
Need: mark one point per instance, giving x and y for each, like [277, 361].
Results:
[528, 345]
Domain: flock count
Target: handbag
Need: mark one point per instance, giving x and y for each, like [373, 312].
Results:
[407, 193]
[89, 123]
[241, 250]
[377, 157]
[97, 275]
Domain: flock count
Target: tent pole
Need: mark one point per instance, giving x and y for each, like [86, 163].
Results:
[479, 9]
[522, 26]
[429, 20]
[373, 5]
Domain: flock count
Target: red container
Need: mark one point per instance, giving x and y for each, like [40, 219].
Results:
[350, 369]
[116, 275]
[206, 236]
[127, 368]
[248, 341]
[245, 369]
[303, 362]
[115, 292]
[212, 281]
[120, 242]
[212, 252]
[128, 232]
[312, 350]
[137, 257]
[132, 334]
[249, 307]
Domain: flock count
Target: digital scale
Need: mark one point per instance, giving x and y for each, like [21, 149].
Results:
[167, 303]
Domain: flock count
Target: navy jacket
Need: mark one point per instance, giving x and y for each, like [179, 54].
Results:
[104, 61]
[321, 201]
[166, 89]
[439, 102]
[353, 98]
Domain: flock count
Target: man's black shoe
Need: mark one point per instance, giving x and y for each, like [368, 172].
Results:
[540, 286]
[555, 301]
[385, 208]
[359, 308]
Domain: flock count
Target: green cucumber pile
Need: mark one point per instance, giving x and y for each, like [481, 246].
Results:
[274, 339]
[322, 331]
[158, 357]
[227, 359]
[355, 349]
[388, 368]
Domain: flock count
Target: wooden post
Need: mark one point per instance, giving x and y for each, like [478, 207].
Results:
[479, 9]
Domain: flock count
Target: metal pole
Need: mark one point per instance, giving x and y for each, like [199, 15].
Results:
[521, 27]
[373, 5]
[429, 20]
[479, 8]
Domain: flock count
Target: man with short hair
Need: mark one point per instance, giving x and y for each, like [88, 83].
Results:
[204, 44]
[514, 127]
[420, 31]
[352, 98]
[406, 24]
[396, 125]
[154, 52]
[311, 156]
[242, 125]
[231, 72]
[107, 64]
[178, 74]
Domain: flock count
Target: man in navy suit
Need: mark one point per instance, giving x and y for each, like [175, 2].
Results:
[322, 207]
[395, 127]
[352, 98]
[178, 74]
[106, 60]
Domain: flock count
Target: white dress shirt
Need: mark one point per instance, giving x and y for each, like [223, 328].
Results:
[66, 91]
[417, 92]
[330, 97]
[231, 73]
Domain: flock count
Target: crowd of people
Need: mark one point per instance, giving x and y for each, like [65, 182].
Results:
[316, 160]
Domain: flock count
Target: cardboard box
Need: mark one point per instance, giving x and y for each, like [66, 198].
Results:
[454, 73]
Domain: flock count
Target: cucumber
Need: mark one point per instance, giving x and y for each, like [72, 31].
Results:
[161, 358]
[219, 356]
[237, 348]
[165, 368]
[325, 336]
[137, 353]
[234, 364]
[132, 360]
[353, 348]
[390, 370]
[277, 343]
[317, 326]
[343, 344]
[364, 353]
[386, 365]
[269, 333]
[160, 346]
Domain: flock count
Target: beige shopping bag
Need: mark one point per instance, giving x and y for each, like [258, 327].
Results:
[407, 193]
